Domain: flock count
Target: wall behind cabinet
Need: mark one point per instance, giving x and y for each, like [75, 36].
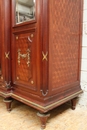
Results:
[83, 97]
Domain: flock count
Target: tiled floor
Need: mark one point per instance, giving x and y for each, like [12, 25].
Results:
[23, 117]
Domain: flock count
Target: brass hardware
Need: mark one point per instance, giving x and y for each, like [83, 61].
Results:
[44, 55]
[17, 78]
[44, 94]
[16, 37]
[29, 39]
[32, 35]
[7, 55]
[23, 56]
[32, 82]
[44, 115]
[28, 57]
[19, 56]
[8, 85]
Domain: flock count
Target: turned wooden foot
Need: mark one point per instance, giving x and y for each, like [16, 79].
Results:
[73, 103]
[8, 102]
[43, 119]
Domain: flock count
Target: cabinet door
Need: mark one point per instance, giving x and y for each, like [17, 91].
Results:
[24, 61]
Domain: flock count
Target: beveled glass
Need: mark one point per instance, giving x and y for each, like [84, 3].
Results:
[25, 10]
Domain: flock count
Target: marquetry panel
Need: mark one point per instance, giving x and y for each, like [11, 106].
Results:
[64, 42]
[25, 52]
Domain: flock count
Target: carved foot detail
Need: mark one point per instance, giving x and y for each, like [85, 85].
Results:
[43, 119]
[73, 103]
[8, 102]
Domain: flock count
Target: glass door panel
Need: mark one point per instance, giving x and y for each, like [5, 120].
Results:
[25, 10]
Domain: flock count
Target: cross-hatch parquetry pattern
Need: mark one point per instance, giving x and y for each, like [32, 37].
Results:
[64, 41]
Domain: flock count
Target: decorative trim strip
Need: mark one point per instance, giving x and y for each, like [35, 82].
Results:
[37, 105]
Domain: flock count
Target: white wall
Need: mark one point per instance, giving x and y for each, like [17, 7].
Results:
[83, 97]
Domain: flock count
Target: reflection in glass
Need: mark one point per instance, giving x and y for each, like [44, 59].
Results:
[25, 10]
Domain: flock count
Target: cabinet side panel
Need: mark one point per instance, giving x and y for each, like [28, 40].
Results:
[0, 37]
[64, 42]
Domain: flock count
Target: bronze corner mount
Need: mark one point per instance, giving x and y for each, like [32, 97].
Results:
[8, 85]
[45, 55]
[7, 55]
[44, 94]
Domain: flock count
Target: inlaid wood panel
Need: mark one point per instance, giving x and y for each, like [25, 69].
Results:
[64, 42]
[25, 52]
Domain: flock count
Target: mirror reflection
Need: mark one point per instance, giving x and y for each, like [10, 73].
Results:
[25, 10]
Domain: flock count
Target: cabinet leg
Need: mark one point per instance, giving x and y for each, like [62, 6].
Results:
[73, 103]
[8, 102]
[43, 118]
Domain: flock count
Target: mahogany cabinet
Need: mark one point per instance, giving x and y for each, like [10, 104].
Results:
[40, 53]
